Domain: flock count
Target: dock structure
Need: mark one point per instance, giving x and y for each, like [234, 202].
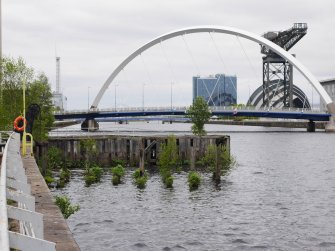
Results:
[29, 218]
[55, 227]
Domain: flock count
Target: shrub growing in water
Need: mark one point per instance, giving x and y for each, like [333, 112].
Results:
[194, 180]
[168, 158]
[209, 159]
[64, 204]
[92, 174]
[118, 172]
[140, 179]
[169, 182]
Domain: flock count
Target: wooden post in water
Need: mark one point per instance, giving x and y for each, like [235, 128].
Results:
[142, 155]
[192, 160]
[219, 146]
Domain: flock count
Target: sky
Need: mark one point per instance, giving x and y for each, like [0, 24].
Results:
[94, 37]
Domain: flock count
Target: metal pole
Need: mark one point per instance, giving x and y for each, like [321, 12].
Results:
[171, 95]
[115, 97]
[88, 98]
[24, 137]
[143, 84]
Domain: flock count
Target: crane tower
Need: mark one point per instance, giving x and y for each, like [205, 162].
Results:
[277, 69]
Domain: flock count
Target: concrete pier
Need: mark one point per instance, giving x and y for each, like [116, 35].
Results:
[134, 150]
[55, 226]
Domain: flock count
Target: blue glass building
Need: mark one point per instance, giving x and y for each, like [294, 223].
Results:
[218, 90]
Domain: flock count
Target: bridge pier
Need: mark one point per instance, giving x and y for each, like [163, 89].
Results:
[311, 126]
[89, 125]
[330, 126]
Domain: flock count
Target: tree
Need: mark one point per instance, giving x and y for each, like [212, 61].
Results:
[11, 102]
[199, 114]
[14, 72]
[39, 92]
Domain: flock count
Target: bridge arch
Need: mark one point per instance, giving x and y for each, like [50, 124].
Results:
[218, 29]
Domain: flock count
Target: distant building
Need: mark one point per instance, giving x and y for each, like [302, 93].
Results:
[59, 101]
[329, 86]
[218, 90]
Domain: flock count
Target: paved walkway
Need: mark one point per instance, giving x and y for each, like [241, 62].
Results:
[55, 226]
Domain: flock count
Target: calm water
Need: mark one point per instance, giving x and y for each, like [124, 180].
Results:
[281, 196]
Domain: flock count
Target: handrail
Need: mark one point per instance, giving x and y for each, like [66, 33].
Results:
[4, 236]
[14, 186]
[184, 108]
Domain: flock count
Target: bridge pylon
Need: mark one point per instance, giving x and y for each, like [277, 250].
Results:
[330, 126]
[90, 125]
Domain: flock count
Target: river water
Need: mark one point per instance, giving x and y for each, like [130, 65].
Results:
[280, 196]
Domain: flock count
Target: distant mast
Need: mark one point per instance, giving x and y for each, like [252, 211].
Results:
[57, 74]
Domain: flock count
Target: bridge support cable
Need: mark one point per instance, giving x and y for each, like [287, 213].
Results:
[191, 55]
[225, 68]
[197, 68]
[244, 53]
[146, 70]
[168, 63]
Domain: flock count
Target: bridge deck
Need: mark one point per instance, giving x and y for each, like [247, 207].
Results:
[55, 226]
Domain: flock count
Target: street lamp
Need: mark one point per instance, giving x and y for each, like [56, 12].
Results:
[115, 96]
[171, 95]
[143, 84]
[88, 98]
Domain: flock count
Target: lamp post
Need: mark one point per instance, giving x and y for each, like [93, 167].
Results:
[171, 94]
[115, 96]
[143, 84]
[88, 98]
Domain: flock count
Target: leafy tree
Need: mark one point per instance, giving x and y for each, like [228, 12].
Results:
[11, 102]
[199, 114]
[39, 93]
[14, 72]
[167, 159]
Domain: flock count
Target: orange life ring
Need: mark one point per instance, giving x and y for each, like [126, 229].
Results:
[19, 123]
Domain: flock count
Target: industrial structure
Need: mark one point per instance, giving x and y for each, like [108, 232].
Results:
[277, 88]
[329, 86]
[218, 90]
[58, 100]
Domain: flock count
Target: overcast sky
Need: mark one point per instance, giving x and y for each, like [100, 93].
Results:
[93, 37]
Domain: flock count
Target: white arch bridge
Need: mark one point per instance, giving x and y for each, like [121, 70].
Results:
[230, 31]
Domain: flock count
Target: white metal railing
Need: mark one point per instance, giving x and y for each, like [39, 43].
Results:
[184, 108]
[14, 187]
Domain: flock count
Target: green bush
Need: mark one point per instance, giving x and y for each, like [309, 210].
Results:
[169, 182]
[93, 174]
[116, 180]
[140, 179]
[118, 172]
[194, 180]
[65, 174]
[97, 172]
[141, 182]
[54, 158]
[89, 179]
[137, 174]
[64, 204]
[49, 180]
